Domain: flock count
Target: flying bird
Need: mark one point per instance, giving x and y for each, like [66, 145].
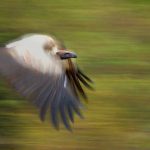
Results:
[41, 69]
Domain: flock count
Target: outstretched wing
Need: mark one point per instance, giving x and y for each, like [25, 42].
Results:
[43, 81]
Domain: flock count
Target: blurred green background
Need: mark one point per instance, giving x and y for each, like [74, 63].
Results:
[112, 39]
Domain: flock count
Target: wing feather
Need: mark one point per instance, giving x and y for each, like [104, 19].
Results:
[76, 77]
[42, 82]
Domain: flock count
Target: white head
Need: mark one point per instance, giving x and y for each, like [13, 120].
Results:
[41, 44]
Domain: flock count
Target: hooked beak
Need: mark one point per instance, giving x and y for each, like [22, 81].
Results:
[66, 54]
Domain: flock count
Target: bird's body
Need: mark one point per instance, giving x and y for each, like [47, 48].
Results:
[35, 66]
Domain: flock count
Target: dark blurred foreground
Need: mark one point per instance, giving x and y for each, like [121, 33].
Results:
[112, 39]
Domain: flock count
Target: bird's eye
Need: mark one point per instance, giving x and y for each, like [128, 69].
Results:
[48, 46]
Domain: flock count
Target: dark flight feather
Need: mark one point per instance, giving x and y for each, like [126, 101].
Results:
[76, 76]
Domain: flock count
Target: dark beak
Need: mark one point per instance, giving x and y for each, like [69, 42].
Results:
[66, 54]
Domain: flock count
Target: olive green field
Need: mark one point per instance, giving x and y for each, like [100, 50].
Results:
[112, 41]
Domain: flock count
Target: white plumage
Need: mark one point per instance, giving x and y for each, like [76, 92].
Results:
[30, 51]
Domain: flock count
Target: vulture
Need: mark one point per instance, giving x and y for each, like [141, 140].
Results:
[41, 69]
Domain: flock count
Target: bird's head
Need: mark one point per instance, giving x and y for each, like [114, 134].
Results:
[37, 43]
[58, 49]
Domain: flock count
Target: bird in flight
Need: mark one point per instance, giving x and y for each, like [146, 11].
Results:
[41, 69]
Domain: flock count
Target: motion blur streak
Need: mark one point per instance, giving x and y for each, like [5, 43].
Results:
[112, 38]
